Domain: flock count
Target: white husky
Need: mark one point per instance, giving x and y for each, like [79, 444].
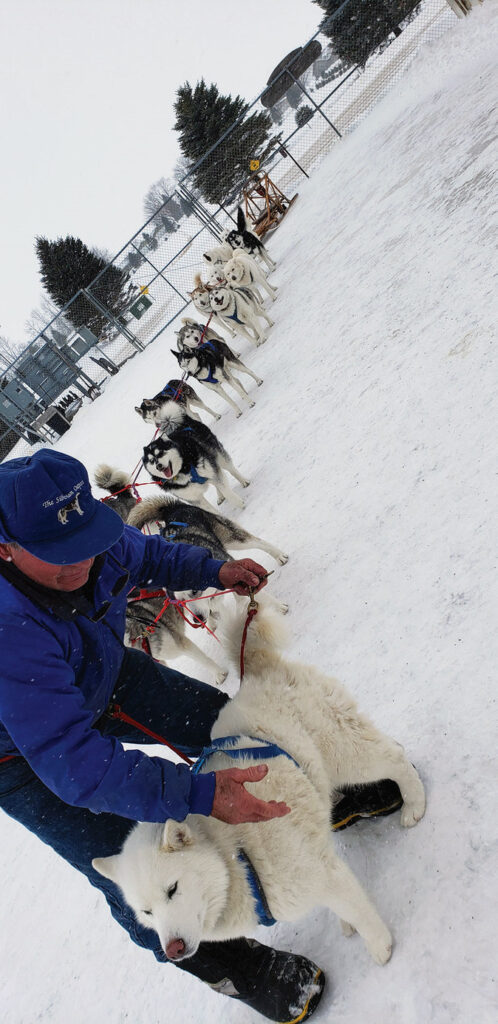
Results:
[186, 880]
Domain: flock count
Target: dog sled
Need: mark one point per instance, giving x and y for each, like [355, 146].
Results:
[265, 204]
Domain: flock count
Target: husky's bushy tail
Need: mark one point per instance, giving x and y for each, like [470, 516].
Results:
[109, 478]
[172, 415]
[149, 510]
[113, 480]
[266, 634]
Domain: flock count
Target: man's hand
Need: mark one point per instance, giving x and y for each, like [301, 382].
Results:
[233, 804]
[242, 575]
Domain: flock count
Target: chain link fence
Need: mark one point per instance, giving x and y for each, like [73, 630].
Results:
[319, 94]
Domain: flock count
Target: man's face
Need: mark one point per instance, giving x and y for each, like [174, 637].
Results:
[57, 577]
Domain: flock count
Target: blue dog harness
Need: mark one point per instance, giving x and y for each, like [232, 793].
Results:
[195, 478]
[226, 745]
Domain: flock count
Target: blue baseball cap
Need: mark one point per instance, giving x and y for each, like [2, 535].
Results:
[47, 506]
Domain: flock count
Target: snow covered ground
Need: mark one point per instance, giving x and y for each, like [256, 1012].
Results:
[372, 457]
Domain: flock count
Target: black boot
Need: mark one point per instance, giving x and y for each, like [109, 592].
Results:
[284, 987]
[368, 800]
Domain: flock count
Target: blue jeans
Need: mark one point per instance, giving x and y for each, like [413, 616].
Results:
[180, 709]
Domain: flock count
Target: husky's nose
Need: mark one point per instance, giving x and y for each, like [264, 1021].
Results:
[175, 949]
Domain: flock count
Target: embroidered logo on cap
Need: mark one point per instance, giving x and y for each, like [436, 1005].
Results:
[73, 506]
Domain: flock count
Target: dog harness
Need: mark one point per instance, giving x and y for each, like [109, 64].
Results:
[210, 379]
[195, 478]
[233, 316]
[171, 534]
[226, 745]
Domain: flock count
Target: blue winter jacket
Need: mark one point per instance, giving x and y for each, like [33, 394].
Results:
[57, 676]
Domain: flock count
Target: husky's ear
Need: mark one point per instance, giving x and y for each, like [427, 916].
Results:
[177, 354]
[138, 409]
[176, 835]
[207, 257]
[107, 866]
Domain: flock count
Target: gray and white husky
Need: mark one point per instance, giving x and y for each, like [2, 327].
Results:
[170, 637]
[213, 363]
[243, 311]
[200, 296]
[151, 409]
[188, 881]
[183, 523]
[191, 331]
[188, 457]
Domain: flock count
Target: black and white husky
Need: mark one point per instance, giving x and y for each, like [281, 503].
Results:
[244, 238]
[188, 457]
[242, 311]
[170, 637]
[212, 364]
[150, 409]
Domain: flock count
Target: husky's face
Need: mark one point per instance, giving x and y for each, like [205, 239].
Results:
[190, 336]
[236, 240]
[148, 410]
[220, 299]
[234, 272]
[174, 883]
[217, 273]
[162, 458]
[200, 298]
[186, 360]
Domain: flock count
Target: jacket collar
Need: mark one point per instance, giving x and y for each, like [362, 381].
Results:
[68, 605]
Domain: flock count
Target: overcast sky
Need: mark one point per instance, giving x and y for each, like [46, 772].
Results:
[87, 92]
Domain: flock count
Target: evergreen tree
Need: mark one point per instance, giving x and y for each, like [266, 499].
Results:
[363, 25]
[303, 115]
[203, 115]
[66, 266]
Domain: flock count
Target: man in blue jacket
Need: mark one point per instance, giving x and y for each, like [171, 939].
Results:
[67, 564]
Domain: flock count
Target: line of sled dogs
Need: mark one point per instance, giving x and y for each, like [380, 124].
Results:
[188, 880]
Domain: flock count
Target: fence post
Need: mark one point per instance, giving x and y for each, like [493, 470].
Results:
[320, 111]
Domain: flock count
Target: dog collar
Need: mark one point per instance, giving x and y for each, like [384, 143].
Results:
[260, 902]
[227, 745]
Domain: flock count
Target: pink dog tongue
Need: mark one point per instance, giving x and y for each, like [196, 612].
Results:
[168, 471]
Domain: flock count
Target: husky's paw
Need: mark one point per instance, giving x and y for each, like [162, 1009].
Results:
[411, 813]
[221, 676]
[347, 929]
[282, 558]
[381, 948]
[282, 608]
